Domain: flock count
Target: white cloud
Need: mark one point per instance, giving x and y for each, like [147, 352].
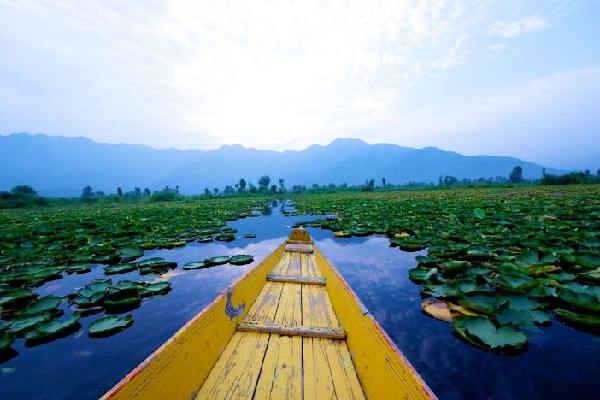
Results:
[510, 29]
[197, 74]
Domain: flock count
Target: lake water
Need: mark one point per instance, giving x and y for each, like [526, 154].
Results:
[561, 362]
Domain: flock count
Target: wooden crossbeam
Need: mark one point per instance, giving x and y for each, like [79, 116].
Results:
[292, 330]
[307, 280]
[300, 248]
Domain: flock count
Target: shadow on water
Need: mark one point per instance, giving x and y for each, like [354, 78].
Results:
[561, 361]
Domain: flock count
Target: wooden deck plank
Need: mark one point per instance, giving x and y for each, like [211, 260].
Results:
[265, 307]
[235, 374]
[289, 311]
[318, 383]
[282, 266]
[311, 266]
[295, 268]
[281, 375]
[317, 309]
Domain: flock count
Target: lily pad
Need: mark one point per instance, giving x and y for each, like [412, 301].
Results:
[197, 265]
[421, 275]
[586, 320]
[156, 288]
[219, 260]
[482, 332]
[241, 259]
[119, 269]
[109, 325]
[23, 324]
[53, 329]
[6, 340]
[42, 305]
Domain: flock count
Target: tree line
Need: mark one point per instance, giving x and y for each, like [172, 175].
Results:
[25, 195]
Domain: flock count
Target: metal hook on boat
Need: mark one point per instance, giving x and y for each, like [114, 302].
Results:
[231, 311]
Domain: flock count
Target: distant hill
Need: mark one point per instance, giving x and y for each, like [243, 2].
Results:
[60, 166]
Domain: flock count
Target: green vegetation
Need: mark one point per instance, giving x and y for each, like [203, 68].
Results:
[41, 244]
[510, 255]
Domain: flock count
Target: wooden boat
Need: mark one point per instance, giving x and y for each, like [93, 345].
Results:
[290, 328]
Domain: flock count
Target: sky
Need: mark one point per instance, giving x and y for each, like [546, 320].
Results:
[518, 78]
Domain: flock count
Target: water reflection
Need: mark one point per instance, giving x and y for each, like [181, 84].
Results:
[561, 362]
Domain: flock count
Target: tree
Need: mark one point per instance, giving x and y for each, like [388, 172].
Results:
[87, 192]
[216, 191]
[119, 192]
[207, 191]
[252, 188]
[273, 188]
[242, 185]
[23, 190]
[146, 192]
[383, 182]
[516, 175]
[281, 185]
[228, 190]
[263, 182]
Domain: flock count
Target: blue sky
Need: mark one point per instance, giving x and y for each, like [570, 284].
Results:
[518, 78]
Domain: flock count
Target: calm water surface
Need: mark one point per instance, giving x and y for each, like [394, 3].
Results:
[560, 363]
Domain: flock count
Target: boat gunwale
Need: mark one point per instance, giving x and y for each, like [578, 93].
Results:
[366, 313]
[142, 365]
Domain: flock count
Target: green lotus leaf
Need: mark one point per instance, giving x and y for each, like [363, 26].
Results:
[479, 213]
[109, 325]
[119, 268]
[156, 288]
[6, 340]
[14, 297]
[42, 305]
[586, 320]
[440, 291]
[481, 331]
[516, 282]
[23, 324]
[421, 275]
[471, 286]
[486, 304]
[219, 260]
[250, 235]
[523, 317]
[528, 258]
[241, 259]
[53, 329]
[197, 265]
[79, 268]
[453, 267]
[225, 237]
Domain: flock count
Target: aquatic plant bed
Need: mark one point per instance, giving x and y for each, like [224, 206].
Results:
[499, 260]
[44, 244]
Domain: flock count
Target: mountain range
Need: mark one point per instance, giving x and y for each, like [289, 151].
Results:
[61, 166]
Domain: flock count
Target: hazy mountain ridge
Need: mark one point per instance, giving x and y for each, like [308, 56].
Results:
[57, 165]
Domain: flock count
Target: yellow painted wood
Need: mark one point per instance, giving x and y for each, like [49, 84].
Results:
[316, 307]
[235, 374]
[282, 266]
[289, 311]
[295, 268]
[299, 248]
[269, 365]
[306, 280]
[300, 235]
[318, 383]
[178, 368]
[309, 267]
[292, 330]
[383, 371]
[265, 307]
[281, 375]
[328, 371]
[344, 377]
